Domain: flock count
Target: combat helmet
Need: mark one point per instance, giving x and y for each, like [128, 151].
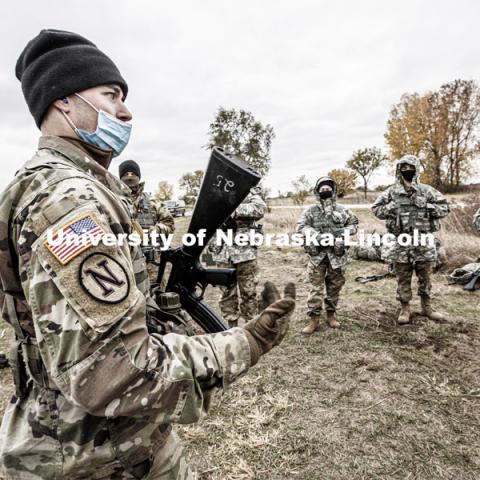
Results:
[325, 181]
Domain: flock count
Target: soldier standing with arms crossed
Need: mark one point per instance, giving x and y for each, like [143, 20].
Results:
[96, 393]
[406, 206]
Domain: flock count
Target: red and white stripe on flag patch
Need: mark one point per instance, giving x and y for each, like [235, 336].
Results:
[78, 235]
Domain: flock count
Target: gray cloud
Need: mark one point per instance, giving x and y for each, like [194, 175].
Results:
[324, 75]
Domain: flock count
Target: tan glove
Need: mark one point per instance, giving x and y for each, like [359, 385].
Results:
[270, 327]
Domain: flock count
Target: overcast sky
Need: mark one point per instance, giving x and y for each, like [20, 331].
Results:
[324, 74]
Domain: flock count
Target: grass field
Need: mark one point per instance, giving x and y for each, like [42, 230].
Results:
[370, 400]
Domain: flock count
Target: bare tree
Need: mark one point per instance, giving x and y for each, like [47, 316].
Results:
[365, 162]
[302, 189]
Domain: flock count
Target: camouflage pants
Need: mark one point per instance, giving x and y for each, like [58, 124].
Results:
[324, 277]
[152, 270]
[404, 272]
[169, 464]
[241, 299]
[152, 273]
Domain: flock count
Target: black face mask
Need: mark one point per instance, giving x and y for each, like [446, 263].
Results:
[408, 175]
[326, 194]
[132, 182]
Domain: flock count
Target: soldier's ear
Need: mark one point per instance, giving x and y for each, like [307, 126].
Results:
[62, 104]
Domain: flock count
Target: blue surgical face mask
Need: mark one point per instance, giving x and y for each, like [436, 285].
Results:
[111, 133]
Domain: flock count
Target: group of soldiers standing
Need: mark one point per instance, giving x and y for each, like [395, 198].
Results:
[97, 389]
[406, 206]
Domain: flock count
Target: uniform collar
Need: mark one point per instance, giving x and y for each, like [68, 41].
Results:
[85, 159]
[103, 157]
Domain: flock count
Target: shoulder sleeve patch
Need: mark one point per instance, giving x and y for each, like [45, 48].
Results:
[104, 278]
[97, 279]
[74, 237]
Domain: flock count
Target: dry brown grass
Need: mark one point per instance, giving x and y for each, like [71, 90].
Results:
[282, 220]
[460, 248]
[369, 401]
[356, 197]
[460, 219]
[458, 235]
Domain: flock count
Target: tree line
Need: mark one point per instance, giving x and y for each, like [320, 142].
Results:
[440, 127]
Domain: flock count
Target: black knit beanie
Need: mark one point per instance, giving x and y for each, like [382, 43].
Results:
[129, 166]
[56, 64]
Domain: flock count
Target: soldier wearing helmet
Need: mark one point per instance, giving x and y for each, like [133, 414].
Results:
[409, 205]
[326, 265]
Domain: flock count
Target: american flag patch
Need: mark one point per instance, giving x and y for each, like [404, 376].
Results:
[80, 234]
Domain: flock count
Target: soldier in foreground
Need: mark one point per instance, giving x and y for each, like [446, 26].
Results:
[150, 215]
[96, 393]
[406, 206]
[326, 265]
[239, 303]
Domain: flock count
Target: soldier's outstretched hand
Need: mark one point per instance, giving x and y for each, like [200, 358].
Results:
[270, 327]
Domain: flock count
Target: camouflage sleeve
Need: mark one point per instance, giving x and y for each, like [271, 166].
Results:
[476, 220]
[383, 207]
[254, 208]
[165, 222]
[351, 223]
[437, 204]
[90, 320]
[305, 223]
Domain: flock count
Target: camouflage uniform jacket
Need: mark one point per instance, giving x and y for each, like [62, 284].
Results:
[476, 220]
[107, 390]
[246, 215]
[419, 208]
[149, 213]
[327, 217]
